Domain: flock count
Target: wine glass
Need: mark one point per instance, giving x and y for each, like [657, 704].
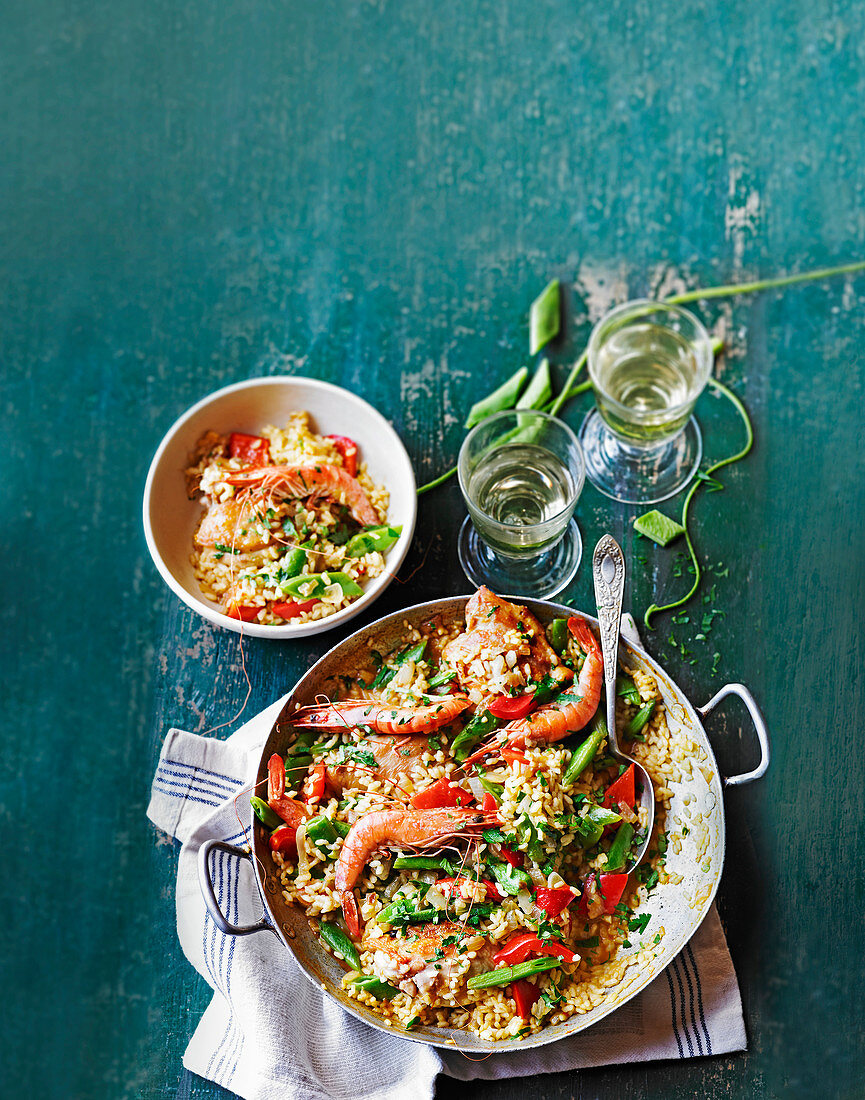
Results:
[648, 364]
[521, 474]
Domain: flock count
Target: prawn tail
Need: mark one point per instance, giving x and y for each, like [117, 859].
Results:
[350, 912]
[588, 642]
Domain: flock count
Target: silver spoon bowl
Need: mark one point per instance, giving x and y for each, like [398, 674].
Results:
[608, 572]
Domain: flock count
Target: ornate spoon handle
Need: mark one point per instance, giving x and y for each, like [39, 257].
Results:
[608, 571]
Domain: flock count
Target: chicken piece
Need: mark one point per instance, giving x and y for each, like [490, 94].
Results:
[496, 628]
[232, 524]
[430, 959]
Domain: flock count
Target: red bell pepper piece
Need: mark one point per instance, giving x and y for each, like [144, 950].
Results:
[284, 839]
[249, 448]
[446, 885]
[509, 755]
[554, 901]
[514, 858]
[245, 614]
[511, 707]
[612, 888]
[348, 449]
[275, 777]
[314, 784]
[442, 793]
[621, 791]
[524, 994]
[523, 944]
[287, 609]
[489, 805]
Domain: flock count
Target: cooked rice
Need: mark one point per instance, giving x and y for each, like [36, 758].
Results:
[258, 578]
[533, 796]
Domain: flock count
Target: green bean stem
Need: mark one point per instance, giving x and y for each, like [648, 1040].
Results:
[654, 609]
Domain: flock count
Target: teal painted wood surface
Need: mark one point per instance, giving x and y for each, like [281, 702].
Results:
[372, 194]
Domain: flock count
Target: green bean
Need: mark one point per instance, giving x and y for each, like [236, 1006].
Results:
[503, 398]
[472, 734]
[321, 832]
[386, 673]
[375, 986]
[584, 754]
[619, 847]
[339, 941]
[372, 538]
[590, 828]
[265, 814]
[511, 879]
[627, 689]
[497, 790]
[558, 634]
[295, 561]
[423, 863]
[504, 975]
[443, 677]
[640, 719]
[544, 316]
[539, 390]
[320, 581]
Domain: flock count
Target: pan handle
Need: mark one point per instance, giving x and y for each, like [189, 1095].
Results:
[209, 895]
[759, 726]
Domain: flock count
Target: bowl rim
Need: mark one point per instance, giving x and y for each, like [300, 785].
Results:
[396, 555]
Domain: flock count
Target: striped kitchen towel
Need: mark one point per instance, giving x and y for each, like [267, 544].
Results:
[269, 1033]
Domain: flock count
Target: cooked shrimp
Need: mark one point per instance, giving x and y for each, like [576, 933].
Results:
[496, 628]
[426, 958]
[232, 524]
[393, 828]
[320, 480]
[394, 758]
[571, 713]
[396, 721]
[291, 811]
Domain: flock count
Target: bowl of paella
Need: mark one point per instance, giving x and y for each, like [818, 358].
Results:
[280, 507]
[443, 841]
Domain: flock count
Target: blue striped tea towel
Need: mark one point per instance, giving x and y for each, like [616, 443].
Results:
[270, 1034]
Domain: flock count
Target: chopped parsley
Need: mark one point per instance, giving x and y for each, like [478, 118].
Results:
[638, 924]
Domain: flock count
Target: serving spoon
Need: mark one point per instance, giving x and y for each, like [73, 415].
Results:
[608, 571]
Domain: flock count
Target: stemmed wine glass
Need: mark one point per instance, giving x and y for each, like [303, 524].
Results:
[521, 474]
[648, 363]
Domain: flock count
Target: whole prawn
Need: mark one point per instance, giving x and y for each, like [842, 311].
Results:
[395, 721]
[569, 713]
[308, 481]
[393, 828]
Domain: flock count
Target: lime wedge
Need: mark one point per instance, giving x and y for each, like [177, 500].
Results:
[658, 527]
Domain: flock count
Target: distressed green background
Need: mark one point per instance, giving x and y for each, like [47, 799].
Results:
[372, 193]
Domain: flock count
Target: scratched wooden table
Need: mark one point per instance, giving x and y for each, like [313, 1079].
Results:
[372, 194]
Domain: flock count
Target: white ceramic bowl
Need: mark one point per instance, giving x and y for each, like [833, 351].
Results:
[170, 517]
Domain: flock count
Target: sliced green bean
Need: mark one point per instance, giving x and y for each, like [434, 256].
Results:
[320, 582]
[619, 848]
[511, 879]
[370, 539]
[265, 814]
[472, 734]
[627, 689]
[584, 755]
[321, 832]
[423, 863]
[639, 720]
[340, 942]
[545, 316]
[504, 397]
[539, 390]
[558, 634]
[504, 975]
[375, 986]
[386, 673]
[441, 678]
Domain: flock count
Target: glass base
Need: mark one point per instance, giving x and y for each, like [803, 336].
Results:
[539, 577]
[634, 475]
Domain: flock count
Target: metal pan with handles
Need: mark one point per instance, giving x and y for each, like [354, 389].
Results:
[697, 798]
